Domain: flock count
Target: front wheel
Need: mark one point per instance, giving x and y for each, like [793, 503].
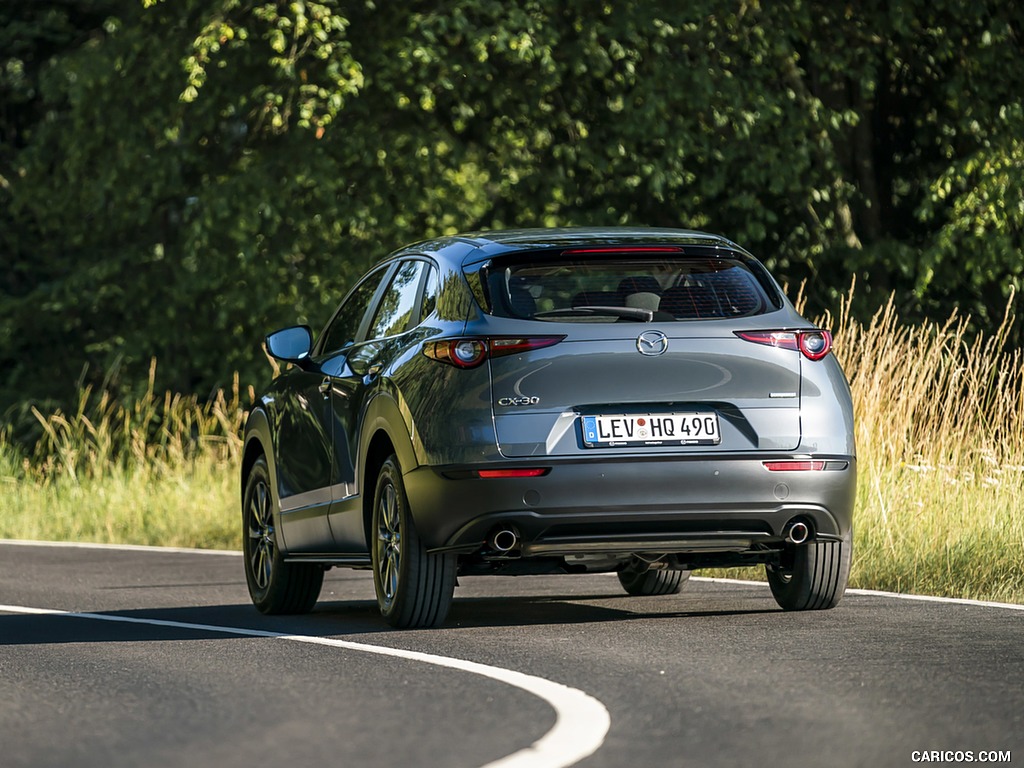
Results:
[274, 585]
[816, 578]
[414, 587]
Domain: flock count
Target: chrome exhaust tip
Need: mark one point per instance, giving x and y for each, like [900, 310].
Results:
[503, 540]
[797, 532]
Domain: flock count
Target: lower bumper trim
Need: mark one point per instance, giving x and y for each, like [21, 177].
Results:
[710, 542]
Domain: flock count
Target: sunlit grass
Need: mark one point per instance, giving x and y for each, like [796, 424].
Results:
[194, 507]
[940, 437]
[161, 471]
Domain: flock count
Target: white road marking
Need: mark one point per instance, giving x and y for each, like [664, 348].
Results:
[931, 599]
[878, 593]
[581, 723]
[117, 547]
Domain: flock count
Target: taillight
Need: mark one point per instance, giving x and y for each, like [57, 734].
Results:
[471, 352]
[814, 344]
[462, 353]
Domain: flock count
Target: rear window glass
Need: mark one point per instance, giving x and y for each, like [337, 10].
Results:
[609, 290]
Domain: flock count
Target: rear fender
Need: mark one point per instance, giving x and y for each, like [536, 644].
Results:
[826, 409]
[382, 416]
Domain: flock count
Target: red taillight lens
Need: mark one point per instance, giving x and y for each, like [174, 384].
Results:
[794, 465]
[531, 472]
[462, 353]
[814, 344]
[500, 347]
[471, 352]
[781, 339]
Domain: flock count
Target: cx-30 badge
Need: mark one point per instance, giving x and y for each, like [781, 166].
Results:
[652, 343]
[521, 400]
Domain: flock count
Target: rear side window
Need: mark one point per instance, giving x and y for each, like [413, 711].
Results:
[397, 305]
[344, 328]
[611, 289]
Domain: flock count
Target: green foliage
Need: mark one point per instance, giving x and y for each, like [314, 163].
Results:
[177, 178]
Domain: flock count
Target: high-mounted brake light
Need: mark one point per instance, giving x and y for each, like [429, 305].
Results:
[814, 344]
[471, 352]
[624, 249]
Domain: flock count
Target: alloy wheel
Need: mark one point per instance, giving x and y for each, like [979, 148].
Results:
[389, 542]
[261, 536]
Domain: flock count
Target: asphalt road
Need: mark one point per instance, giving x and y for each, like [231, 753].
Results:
[715, 676]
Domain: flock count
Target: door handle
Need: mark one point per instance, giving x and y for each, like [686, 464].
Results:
[325, 386]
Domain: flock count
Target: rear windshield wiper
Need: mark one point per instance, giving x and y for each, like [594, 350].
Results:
[629, 313]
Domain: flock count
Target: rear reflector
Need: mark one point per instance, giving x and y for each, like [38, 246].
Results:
[794, 465]
[492, 473]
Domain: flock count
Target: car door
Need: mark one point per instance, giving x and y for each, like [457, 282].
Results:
[309, 474]
[354, 382]
[301, 426]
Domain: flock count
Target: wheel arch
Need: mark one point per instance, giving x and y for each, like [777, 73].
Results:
[385, 433]
[256, 443]
[377, 452]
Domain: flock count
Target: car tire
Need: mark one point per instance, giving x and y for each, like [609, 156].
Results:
[817, 577]
[276, 587]
[649, 582]
[414, 588]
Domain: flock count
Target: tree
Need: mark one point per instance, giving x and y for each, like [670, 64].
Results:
[179, 178]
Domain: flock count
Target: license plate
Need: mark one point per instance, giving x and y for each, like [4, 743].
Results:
[691, 428]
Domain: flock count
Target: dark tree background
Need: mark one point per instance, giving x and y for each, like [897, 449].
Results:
[177, 178]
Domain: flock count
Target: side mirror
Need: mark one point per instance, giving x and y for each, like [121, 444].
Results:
[291, 345]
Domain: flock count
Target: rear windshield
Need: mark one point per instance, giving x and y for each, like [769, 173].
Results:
[612, 290]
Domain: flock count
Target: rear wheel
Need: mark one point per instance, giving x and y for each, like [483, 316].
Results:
[414, 588]
[274, 585]
[639, 580]
[816, 577]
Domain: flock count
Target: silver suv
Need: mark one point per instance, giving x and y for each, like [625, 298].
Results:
[638, 401]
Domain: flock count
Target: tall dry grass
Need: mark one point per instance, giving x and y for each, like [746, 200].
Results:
[161, 470]
[940, 436]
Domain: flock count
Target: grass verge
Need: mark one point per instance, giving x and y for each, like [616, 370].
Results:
[161, 471]
[940, 436]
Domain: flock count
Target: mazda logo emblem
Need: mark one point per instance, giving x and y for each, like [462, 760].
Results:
[652, 343]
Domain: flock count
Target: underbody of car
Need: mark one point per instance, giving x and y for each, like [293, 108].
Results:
[638, 401]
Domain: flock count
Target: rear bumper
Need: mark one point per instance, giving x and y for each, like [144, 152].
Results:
[720, 503]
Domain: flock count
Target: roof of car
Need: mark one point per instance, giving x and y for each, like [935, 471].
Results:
[480, 246]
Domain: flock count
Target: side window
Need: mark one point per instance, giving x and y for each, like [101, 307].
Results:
[399, 301]
[430, 292]
[345, 325]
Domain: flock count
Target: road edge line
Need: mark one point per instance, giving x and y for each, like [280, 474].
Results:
[880, 593]
[581, 721]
